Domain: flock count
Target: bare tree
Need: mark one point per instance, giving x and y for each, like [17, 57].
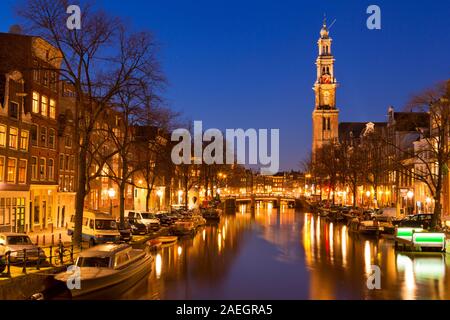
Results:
[327, 167]
[352, 165]
[431, 154]
[100, 60]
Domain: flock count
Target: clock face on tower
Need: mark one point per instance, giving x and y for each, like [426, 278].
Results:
[325, 78]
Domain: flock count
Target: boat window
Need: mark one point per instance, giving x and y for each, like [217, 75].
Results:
[105, 224]
[93, 262]
[121, 259]
[91, 224]
[15, 240]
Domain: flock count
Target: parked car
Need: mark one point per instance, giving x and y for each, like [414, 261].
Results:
[124, 230]
[149, 219]
[421, 220]
[17, 244]
[389, 212]
[136, 227]
[2, 263]
[165, 219]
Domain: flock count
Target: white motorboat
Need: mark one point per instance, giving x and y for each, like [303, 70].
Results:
[107, 268]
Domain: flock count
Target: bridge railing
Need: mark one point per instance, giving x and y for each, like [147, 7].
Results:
[259, 195]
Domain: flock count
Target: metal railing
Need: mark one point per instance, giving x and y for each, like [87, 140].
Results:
[51, 256]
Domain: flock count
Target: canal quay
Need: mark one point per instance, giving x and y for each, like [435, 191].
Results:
[286, 254]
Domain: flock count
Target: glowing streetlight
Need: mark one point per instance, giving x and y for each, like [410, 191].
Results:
[368, 193]
[111, 194]
[180, 194]
[410, 195]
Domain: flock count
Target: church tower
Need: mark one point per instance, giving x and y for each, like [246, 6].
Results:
[325, 114]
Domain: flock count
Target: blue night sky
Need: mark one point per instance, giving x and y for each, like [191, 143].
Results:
[250, 64]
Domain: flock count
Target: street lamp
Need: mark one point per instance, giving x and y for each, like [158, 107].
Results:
[410, 195]
[368, 193]
[111, 194]
[180, 194]
[160, 193]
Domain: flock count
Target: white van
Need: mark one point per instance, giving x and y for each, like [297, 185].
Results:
[150, 220]
[388, 212]
[97, 228]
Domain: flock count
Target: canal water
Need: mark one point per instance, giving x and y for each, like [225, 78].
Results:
[284, 254]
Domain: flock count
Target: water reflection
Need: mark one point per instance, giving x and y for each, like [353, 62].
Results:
[271, 253]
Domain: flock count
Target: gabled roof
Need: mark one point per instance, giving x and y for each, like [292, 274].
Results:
[352, 130]
[410, 121]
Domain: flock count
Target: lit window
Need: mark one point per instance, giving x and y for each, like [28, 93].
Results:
[52, 109]
[35, 106]
[24, 140]
[2, 168]
[22, 171]
[2, 136]
[11, 170]
[13, 138]
[44, 106]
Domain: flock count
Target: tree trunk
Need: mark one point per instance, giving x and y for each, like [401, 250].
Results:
[186, 190]
[334, 193]
[436, 219]
[122, 188]
[147, 199]
[80, 196]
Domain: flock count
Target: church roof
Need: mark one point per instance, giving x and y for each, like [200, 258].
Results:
[410, 121]
[351, 130]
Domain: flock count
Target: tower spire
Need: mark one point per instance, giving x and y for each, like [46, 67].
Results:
[326, 114]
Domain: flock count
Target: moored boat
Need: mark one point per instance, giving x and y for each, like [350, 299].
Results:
[107, 269]
[167, 240]
[183, 227]
[365, 227]
[212, 214]
[154, 244]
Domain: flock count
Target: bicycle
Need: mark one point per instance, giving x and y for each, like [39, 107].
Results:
[58, 256]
